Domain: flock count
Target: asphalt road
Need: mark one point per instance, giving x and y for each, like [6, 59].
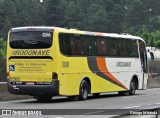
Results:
[105, 104]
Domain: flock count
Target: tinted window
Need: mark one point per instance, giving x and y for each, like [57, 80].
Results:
[65, 44]
[79, 45]
[142, 47]
[30, 39]
[133, 49]
[84, 45]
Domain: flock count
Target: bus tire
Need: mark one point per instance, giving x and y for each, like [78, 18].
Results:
[84, 90]
[132, 90]
[43, 98]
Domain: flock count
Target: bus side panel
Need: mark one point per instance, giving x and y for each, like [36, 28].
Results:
[63, 85]
[98, 84]
[74, 80]
[98, 65]
[79, 69]
[144, 85]
[123, 69]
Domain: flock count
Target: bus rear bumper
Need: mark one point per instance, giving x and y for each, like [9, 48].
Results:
[35, 90]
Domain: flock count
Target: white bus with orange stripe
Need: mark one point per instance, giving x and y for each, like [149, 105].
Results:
[47, 61]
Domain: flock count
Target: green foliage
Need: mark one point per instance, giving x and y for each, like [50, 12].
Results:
[140, 17]
[151, 38]
[2, 60]
[96, 18]
[71, 15]
[2, 49]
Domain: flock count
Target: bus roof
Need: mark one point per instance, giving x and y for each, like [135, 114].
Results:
[46, 28]
[34, 28]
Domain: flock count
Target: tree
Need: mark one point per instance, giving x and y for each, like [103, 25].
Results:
[152, 42]
[24, 19]
[2, 49]
[5, 28]
[53, 13]
[136, 16]
[71, 16]
[2, 60]
[116, 18]
[96, 18]
[7, 17]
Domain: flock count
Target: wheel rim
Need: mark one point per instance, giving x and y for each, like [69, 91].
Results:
[84, 91]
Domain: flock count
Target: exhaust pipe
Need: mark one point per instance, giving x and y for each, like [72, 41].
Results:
[16, 89]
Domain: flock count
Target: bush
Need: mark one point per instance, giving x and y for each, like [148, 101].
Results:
[3, 77]
[2, 60]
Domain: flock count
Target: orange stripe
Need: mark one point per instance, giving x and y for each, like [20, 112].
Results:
[102, 67]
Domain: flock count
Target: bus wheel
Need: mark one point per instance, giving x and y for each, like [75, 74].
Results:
[43, 98]
[84, 90]
[132, 90]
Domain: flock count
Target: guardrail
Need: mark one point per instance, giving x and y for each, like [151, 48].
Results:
[3, 83]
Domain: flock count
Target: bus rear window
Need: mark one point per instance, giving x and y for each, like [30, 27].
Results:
[30, 39]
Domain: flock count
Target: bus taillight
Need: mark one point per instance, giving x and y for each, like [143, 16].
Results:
[8, 75]
[54, 76]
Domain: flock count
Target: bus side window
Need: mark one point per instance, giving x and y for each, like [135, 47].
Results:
[65, 44]
[101, 48]
[104, 47]
[77, 48]
[92, 46]
[134, 49]
[123, 49]
[85, 45]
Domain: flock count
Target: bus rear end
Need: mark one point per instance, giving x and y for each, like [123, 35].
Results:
[30, 62]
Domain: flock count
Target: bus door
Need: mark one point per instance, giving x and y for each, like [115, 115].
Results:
[144, 64]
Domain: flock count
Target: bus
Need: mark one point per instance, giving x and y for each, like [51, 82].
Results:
[48, 61]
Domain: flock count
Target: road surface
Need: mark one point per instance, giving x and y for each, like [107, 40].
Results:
[105, 104]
